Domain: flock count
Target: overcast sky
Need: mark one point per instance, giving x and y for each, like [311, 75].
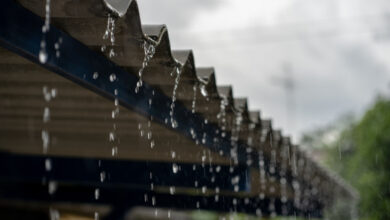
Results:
[301, 62]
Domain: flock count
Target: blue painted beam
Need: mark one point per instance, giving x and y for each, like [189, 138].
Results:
[119, 173]
[122, 201]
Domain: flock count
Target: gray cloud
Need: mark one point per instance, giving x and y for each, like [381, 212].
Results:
[337, 63]
[178, 14]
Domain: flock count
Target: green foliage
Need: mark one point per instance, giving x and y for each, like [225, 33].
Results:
[361, 154]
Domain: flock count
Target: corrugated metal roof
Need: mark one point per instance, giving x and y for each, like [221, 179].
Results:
[79, 114]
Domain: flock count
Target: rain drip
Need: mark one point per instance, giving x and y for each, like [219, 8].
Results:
[221, 116]
[235, 137]
[177, 69]
[203, 89]
[43, 56]
[57, 47]
[272, 176]
[48, 96]
[193, 108]
[113, 133]
[283, 181]
[262, 176]
[109, 34]
[149, 51]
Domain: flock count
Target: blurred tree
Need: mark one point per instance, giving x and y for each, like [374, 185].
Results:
[360, 154]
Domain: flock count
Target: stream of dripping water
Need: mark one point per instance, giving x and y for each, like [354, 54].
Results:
[222, 115]
[109, 34]
[283, 180]
[48, 96]
[235, 137]
[193, 107]
[45, 28]
[113, 138]
[149, 51]
[272, 177]
[177, 69]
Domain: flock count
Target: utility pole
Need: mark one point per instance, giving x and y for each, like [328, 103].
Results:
[287, 83]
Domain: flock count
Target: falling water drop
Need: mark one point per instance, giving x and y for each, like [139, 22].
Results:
[112, 77]
[42, 55]
[172, 190]
[114, 151]
[111, 136]
[204, 189]
[45, 141]
[152, 144]
[95, 75]
[54, 214]
[46, 114]
[102, 176]
[173, 154]
[48, 164]
[175, 168]
[52, 187]
[203, 90]
[97, 194]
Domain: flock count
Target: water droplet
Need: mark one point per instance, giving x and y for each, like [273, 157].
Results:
[45, 140]
[114, 151]
[175, 168]
[145, 197]
[111, 136]
[54, 214]
[152, 144]
[112, 77]
[111, 53]
[203, 90]
[52, 188]
[173, 154]
[97, 194]
[172, 190]
[42, 56]
[48, 164]
[46, 114]
[258, 212]
[102, 176]
[204, 189]
[96, 216]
